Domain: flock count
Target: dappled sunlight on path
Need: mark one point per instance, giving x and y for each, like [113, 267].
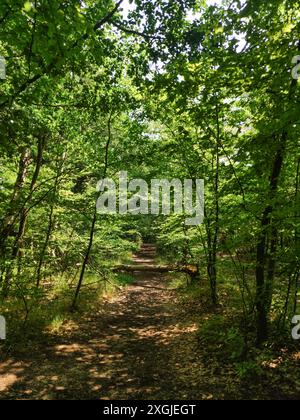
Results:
[130, 349]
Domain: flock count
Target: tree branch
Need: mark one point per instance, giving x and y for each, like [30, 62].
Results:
[107, 18]
[54, 62]
[131, 31]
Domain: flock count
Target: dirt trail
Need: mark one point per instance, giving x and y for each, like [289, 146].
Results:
[135, 347]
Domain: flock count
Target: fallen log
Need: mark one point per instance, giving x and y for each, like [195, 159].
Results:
[191, 270]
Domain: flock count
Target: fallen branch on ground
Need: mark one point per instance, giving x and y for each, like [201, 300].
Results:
[191, 270]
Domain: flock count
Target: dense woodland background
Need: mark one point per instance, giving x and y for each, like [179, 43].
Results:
[162, 89]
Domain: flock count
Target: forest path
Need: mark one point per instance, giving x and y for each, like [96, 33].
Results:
[138, 346]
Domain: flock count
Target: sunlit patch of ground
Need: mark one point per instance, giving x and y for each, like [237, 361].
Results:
[138, 345]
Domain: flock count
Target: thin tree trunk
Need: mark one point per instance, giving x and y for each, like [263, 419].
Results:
[212, 266]
[262, 290]
[12, 214]
[50, 226]
[93, 225]
[46, 243]
[18, 243]
[85, 261]
[263, 285]
[297, 236]
[25, 210]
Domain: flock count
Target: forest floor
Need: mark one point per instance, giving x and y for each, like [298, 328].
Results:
[140, 344]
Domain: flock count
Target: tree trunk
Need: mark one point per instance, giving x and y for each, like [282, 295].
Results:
[93, 225]
[85, 261]
[214, 236]
[12, 214]
[263, 287]
[23, 216]
[50, 224]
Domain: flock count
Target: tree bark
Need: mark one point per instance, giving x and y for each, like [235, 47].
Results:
[12, 214]
[263, 288]
[93, 225]
[23, 216]
[268, 229]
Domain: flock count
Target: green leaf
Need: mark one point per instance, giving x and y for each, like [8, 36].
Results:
[27, 6]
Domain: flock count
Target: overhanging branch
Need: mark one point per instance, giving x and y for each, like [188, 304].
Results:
[107, 18]
[54, 62]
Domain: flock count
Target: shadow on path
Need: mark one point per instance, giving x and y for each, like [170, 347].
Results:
[130, 349]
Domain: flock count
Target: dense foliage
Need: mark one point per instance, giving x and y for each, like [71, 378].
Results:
[163, 89]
